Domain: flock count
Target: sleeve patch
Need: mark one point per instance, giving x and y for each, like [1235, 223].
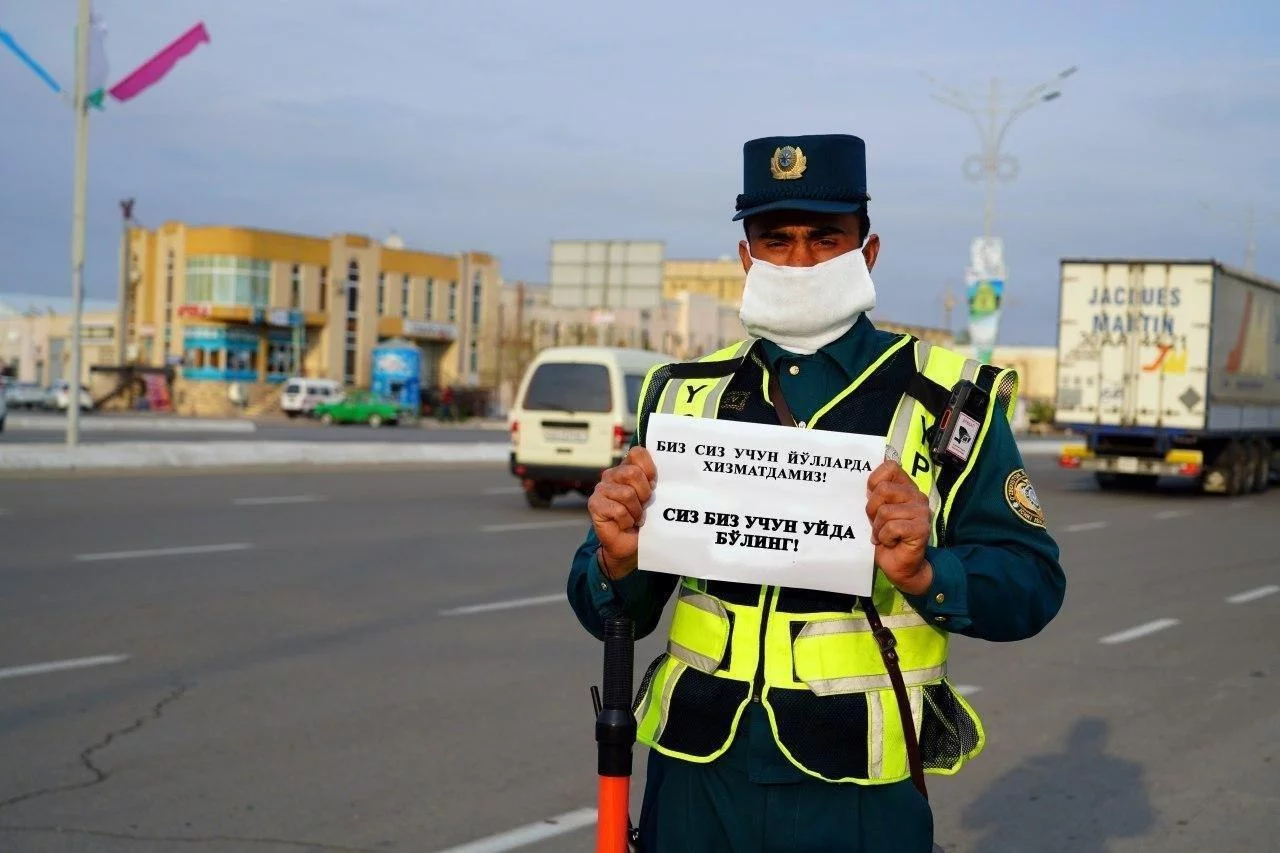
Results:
[1022, 498]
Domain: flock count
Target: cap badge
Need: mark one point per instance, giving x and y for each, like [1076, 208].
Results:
[788, 163]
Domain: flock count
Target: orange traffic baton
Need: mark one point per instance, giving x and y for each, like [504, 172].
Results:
[615, 737]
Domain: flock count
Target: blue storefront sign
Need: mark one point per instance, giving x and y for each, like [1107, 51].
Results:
[397, 373]
[231, 354]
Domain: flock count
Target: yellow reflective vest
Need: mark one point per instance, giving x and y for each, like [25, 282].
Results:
[808, 657]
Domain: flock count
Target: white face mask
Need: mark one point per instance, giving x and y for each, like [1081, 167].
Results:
[802, 309]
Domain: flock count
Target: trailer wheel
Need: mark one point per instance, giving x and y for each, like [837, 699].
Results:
[1234, 462]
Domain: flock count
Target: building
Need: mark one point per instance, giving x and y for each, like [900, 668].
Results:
[721, 279]
[35, 337]
[239, 305]
[1037, 370]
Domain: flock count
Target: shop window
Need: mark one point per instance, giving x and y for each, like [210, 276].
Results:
[324, 288]
[453, 302]
[404, 297]
[475, 301]
[382, 294]
[295, 287]
[228, 280]
[429, 312]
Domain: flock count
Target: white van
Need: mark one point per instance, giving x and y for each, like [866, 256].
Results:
[301, 395]
[574, 416]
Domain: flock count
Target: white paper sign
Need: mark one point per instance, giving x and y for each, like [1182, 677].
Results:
[760, 504]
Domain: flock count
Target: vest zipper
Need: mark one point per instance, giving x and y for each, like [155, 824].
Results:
[757, 686]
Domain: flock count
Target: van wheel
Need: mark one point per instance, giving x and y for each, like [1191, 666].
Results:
[539, 497]
[326, 419]
[375, 420]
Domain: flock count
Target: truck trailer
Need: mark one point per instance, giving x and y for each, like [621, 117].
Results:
[1169, 368]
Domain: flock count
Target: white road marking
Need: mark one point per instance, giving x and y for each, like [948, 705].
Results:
[1171, 513]
[967, 689]
[533, 525]
[1240, 504]
[531, 833]
[1253, 594]
[512, 604]
[1139, 631]
[164, 552]
[504, 490]
[60, 665]
[4, 512]
[1086, 525]
[282, 499]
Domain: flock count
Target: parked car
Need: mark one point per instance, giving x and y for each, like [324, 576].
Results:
[358, 407]
[301, 395]
[24, 395]
[574, 416]
[59, 396]
[4, 411]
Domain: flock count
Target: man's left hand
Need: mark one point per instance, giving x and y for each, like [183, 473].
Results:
[900, 527]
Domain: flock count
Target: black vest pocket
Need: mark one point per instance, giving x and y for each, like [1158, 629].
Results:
[702, 711]
[826, 734]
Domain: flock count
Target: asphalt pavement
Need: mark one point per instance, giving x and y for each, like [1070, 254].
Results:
[51, 429]
[384, 661]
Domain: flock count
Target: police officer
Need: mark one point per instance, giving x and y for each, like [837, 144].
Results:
[773, 717]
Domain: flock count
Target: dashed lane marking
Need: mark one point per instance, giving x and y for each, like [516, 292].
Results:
[186, 550]
[1086, 525]
[1138, 631]
[1171, 513]
[967, 689]
[511, 604]
[533, 525]
[1253, 594]
[278, 500]
[61, 665]
[530, 834]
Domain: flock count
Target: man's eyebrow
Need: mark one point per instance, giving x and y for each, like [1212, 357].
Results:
[817, 232]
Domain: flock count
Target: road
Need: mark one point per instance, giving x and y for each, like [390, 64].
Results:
[383, 661]
[51, 429]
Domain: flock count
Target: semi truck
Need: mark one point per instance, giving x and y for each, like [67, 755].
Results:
[1169, 368]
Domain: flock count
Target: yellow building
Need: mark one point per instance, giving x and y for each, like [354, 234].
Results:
[722, 279]
[236, 305]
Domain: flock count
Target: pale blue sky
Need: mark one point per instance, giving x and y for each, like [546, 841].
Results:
[501, 126]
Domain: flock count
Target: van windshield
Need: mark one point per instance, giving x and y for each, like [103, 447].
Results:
[634, 383]
[566, 387]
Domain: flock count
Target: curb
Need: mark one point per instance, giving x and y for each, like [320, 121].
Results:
[213, 454]
[93, 423]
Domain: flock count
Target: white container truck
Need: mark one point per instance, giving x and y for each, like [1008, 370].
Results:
[1169, 369]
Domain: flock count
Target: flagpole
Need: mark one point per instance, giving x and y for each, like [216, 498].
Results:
[81, 104]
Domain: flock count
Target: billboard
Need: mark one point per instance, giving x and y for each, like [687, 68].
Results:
[984, 287]
[606, 273]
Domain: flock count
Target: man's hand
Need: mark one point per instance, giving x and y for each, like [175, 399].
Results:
[900, 528]
[616, 508]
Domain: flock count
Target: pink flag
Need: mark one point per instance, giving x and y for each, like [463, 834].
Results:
[151, 71]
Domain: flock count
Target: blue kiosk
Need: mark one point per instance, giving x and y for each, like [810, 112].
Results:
[397, 373]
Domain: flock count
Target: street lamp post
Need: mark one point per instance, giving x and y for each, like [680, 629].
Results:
[990, 165]
[1250, 220]
[81, 105]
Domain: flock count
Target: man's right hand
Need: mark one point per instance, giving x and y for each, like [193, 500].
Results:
[616, 508]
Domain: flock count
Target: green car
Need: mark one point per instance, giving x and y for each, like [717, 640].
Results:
[358, 407]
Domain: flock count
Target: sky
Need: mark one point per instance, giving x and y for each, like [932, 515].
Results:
[500, 126]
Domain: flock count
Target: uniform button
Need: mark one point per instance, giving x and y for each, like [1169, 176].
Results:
[939, 598]
[794, 370]
[604, 585]
[939, 619]
[802, 425]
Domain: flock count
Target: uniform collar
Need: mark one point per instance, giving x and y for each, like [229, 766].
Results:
[852, 352]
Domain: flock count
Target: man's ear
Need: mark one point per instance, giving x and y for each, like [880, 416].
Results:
[744, 252]
[871, 251]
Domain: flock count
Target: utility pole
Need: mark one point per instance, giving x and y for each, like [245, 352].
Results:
[124, 288]
[989, 165]
[78, 205]
[1250, 220]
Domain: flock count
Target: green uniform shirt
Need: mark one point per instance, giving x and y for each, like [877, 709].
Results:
[997, 578]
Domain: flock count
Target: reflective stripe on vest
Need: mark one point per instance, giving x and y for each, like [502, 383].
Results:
[714, 646]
